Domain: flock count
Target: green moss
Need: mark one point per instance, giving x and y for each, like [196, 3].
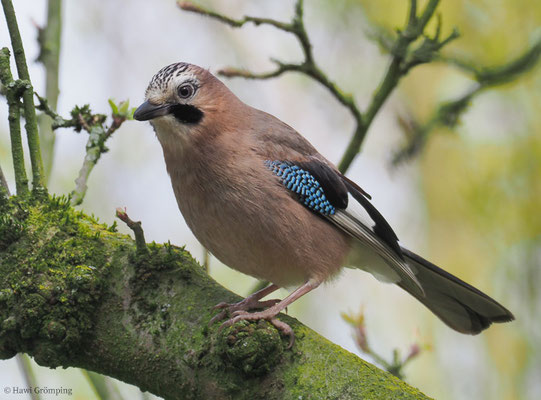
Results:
[253, 349]
[48, 305]
[75, 293]
[315, 362]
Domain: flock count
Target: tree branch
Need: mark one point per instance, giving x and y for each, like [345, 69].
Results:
[137, 229]
[13, 94]
[87, 298]
[98, 134]
[29, 377]
[49, 42]
[82, 118]
[31, 125]
[4, 184]
[403, 60]
[447, 114]
[397, 364]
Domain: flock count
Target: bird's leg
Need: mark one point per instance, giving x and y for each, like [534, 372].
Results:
[249, 303]
[270, 313]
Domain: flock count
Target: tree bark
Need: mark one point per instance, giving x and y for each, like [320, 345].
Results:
[75, 293]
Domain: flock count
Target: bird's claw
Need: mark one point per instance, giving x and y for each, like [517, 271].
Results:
[241, 306]
[238, 313]
[221, 305]
[218, 317]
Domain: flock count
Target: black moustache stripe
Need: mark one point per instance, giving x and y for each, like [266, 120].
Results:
[187, 113]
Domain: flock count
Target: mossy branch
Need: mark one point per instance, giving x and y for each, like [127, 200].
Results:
[73, 292]
[4, 188]
[13, 97]
[31, 125]
[448, 113]
[403, 59]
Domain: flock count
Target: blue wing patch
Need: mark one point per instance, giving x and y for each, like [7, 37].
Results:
[303, 183]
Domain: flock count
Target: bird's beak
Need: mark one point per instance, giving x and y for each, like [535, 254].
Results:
[147, 111]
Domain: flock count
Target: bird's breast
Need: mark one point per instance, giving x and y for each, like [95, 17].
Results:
[240, 212]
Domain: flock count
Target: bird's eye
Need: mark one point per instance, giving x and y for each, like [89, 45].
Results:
[185, 91]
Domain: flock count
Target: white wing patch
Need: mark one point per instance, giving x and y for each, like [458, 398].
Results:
[357, 222]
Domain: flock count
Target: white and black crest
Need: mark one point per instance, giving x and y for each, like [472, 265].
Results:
[162, 78]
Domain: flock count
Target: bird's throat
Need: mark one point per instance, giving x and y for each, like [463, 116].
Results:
[187, 114]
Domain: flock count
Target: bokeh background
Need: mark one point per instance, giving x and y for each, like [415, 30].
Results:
[470, 202]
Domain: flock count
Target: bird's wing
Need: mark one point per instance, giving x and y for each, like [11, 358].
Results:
[329, 194]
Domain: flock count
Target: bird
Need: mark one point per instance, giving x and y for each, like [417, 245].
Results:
[265, 202]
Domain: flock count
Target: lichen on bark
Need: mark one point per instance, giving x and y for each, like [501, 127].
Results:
[74, 292]
[52, 268]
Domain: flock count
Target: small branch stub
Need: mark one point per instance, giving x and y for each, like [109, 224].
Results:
[135, 226]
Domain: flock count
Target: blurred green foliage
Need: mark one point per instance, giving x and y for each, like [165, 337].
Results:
[482, 184]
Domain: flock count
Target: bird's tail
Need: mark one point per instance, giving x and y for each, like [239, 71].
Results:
[461, 306]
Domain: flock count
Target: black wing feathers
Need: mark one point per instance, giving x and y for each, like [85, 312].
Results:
[336, 187]
[381, 226]
[355, 186]
[458, 304]
[333, 186]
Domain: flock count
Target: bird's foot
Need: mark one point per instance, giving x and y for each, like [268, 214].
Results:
[268, 315]
[249, 303]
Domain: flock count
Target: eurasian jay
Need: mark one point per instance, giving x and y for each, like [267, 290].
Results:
[263, 201]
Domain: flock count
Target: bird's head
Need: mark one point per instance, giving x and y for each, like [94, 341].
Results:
[181, 97]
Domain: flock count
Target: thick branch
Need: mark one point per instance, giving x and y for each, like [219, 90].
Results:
[85, 298]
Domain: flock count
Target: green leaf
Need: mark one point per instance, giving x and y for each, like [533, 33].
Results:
[123, 107]
[113, 106]
[129, 115]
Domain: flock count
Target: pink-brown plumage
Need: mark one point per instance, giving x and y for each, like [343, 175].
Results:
[217, 151]
[235, 206]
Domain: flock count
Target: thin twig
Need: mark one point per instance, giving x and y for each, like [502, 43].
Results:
[103, 387]
[235, 23]
[396, 366]
[57, 120]
[82, 118]
[49, 41]
[14, 110]
[447, 114]
[31, 125]
[95, 147]
[28, 374]
[206, 260]
[4, 183]
[135, 226]
[401, 63]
